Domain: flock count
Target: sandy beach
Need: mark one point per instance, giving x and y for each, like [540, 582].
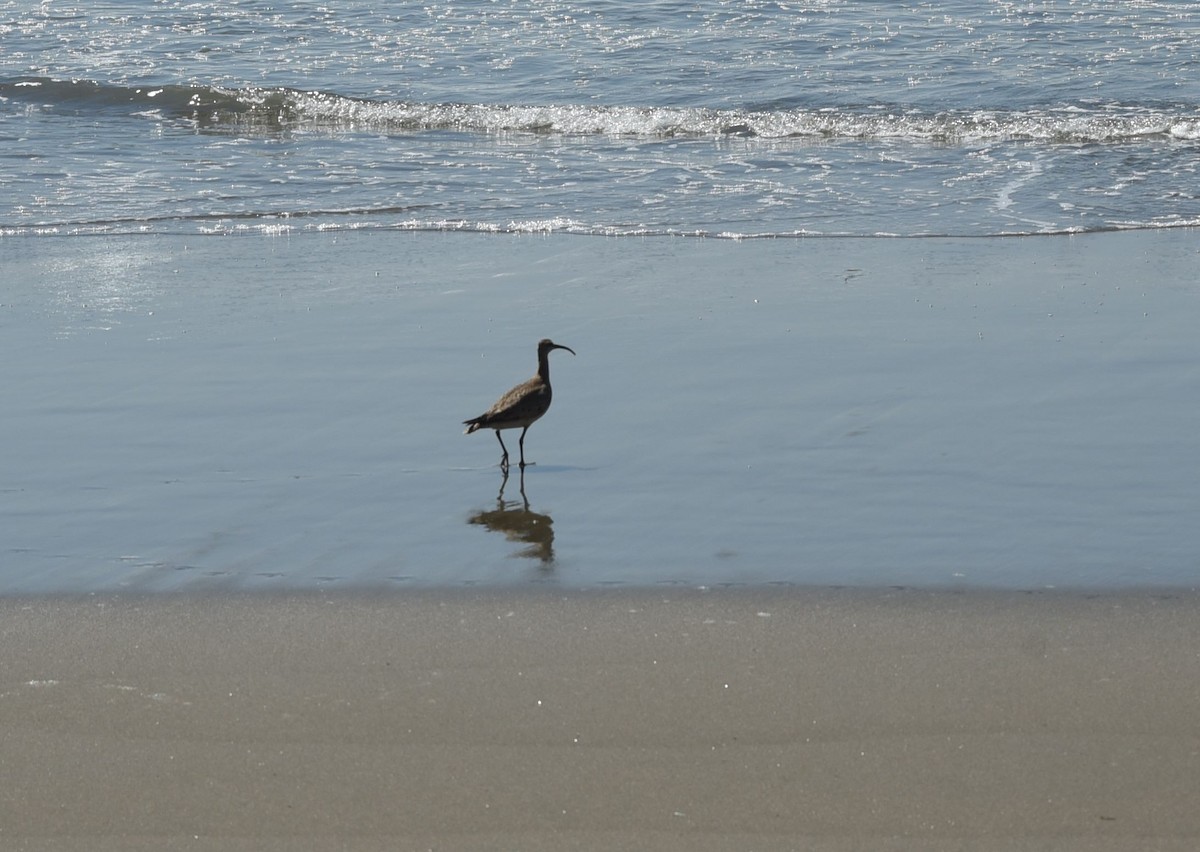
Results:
[607, 720]
[865, 516]
[258, 591]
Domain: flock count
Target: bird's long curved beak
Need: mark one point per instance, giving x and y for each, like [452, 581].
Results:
[560, 346]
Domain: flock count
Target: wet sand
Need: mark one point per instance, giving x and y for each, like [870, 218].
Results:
[688, 720]
[208, 414]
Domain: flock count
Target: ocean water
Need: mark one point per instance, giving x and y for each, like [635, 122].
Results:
[745, 119]
[259, 260]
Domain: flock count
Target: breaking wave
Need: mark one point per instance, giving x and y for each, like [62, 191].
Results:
[282, 110]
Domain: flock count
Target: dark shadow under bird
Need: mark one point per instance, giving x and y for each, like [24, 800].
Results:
[521, 406]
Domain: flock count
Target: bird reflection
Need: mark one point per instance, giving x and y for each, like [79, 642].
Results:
[518, 522]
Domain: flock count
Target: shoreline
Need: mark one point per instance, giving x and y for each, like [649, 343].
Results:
[383, 594]
[666, 718]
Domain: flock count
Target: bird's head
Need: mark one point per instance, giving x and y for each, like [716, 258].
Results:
[546, 344]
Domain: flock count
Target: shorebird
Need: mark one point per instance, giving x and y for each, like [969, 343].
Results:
[522, 405]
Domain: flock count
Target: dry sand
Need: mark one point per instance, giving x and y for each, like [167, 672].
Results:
[689, 720]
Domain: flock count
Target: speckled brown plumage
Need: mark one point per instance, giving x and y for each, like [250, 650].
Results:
[522, 405]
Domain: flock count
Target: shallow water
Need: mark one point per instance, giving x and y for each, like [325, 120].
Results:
[247, 413]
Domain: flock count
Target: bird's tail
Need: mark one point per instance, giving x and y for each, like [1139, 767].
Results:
[471, 425]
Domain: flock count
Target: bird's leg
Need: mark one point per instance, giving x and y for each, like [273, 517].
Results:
[504, 458]
[522, 443]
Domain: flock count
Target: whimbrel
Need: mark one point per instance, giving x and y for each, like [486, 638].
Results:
[522, 405]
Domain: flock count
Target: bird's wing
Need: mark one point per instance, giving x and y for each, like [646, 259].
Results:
[525, 400]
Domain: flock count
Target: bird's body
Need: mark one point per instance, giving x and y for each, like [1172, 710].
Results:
[521, 406]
